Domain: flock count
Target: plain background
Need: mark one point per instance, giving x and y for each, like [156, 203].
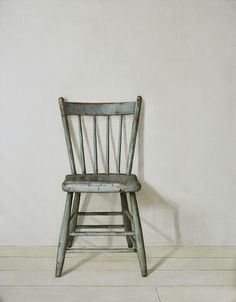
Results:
[179, 55]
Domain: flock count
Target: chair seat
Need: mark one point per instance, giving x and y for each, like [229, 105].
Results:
[104, 183]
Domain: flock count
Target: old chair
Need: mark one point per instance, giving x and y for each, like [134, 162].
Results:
[76, 184]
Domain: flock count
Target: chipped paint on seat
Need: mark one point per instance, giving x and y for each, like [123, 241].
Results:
[107, 183]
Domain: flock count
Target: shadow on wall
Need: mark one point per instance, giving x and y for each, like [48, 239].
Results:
[150, 198]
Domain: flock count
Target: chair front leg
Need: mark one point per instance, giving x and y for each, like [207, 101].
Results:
[126, 221]
[63, 236]
[138, 234]
[74, 214]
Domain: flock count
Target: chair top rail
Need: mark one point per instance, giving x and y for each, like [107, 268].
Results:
[124, 108]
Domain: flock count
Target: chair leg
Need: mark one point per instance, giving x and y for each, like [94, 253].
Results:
[138, 234]
[126, 221]
[73, 221]
[63, 236]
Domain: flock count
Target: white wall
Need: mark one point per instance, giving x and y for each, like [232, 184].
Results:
[179, 55]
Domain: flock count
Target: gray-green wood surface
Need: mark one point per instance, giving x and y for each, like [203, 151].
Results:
[106, 183]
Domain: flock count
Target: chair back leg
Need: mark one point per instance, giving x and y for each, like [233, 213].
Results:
[74, 217]
[63, 239]
[138, 234]
[126, 221]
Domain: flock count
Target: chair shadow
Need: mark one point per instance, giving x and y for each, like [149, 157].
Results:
[151, 198]
[78, 265]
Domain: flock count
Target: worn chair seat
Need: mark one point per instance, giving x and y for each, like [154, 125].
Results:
[107, 183]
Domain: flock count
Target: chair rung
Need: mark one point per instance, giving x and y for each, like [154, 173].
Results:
[101, 250]
[99, 213]
[100, 226]
[82, 233]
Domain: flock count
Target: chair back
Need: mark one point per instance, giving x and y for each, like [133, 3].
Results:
[100, 109]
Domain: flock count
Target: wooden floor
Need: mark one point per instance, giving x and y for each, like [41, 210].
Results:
[184, 274]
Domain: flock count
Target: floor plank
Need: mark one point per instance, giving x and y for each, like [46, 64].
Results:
[152, 251]
[180, 252]
[114, 278]
[99, 264]
[32, 252]
[75, 294]
[197, 294]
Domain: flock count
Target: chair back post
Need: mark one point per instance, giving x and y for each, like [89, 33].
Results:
[133, 135]
[67, 135]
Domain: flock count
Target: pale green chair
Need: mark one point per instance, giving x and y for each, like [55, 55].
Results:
[76, 184]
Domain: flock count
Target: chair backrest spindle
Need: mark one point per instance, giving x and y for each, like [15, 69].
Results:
[81, 141]
[107, 144]
[119, 144]
[95, 144]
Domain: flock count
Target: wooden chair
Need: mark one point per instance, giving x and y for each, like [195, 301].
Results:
[75, 184]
